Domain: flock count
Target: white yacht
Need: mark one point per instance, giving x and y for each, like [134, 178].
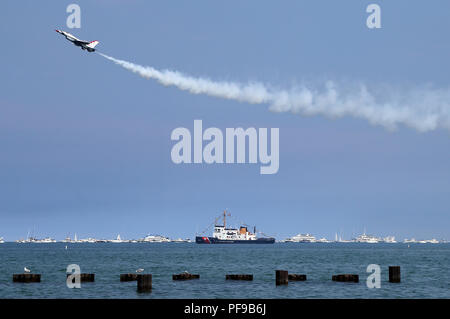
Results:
[341, 240]
[301, 238]
[180, 240]
[67, 240]
[389, 240]
[2, 241]
[367, 239]
[323, 240]
[87, 240]
[46, 240]
[117, 240]
[429, 241]
[154, 239]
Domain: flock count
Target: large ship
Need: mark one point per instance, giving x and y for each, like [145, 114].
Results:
[224, 235]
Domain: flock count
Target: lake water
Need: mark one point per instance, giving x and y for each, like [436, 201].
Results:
[425, 269]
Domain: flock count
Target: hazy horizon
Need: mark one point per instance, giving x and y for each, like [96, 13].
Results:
[86, 144]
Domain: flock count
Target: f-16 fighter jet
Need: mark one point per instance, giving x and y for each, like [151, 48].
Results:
[85, 45]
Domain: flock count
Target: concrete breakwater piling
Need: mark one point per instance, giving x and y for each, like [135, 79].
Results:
[248, 277]
[85, 277]
[144, 282]
[345, 278]
[185, 276]
[281, 277]
[296, 277]
[394, 274]
[26, 278]
[128, 277]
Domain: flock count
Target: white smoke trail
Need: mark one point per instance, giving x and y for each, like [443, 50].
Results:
[423, 109]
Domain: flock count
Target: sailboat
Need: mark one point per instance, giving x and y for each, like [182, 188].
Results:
[117, 240]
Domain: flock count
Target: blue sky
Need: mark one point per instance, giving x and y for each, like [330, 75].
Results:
[85, 145]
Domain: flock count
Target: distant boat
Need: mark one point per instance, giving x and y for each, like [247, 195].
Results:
[46, 240]
[323, 240]
[301, 238]
[1, 240]
[117, 240]
[179, 240]
[154, 239]
[367, 239]
[389, 240]
[340, 239]
[67, 240]
[429, 241]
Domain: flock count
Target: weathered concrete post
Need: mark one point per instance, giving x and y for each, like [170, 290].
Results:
[144, 282]
[296, 277]
[345, 278]
[282, 277]
[85, 277]
[26, 278]
[185, 276]
[394, 274]
[248, 277]
[128, 277]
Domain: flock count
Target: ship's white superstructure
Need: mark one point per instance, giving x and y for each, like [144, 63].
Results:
[2, 240]
[223, 233]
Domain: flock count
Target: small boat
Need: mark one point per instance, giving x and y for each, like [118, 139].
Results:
[154, 239]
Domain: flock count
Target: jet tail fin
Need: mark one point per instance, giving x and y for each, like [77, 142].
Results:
[92, 44]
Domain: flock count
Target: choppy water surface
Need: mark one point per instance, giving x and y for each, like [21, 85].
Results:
[425, 270]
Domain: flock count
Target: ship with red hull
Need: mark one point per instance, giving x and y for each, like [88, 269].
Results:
[227, 235]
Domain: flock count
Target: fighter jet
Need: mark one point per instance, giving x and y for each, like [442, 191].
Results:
[85, 45]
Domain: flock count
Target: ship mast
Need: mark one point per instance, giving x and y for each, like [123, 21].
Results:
[225, 218]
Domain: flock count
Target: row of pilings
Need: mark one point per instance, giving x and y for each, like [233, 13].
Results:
[144, 281]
